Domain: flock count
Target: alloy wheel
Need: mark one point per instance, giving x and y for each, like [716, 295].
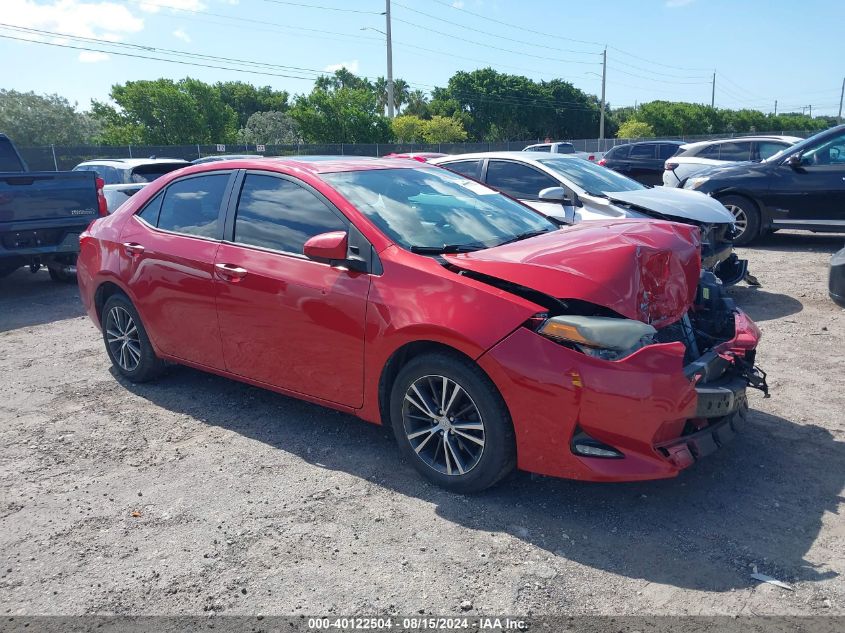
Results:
[123, 338]
[740, 218]
[443, 425]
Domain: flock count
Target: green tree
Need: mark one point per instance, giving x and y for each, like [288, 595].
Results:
[341, 115]
[165, 112]
[408, 128]
[498, 106]
[246, 99]
[30, 120]
[441, 129]
[634, 129]
[417, 104]
[270, 128]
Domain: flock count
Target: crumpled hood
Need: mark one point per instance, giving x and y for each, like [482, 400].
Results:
[676, 203]
[642, 269]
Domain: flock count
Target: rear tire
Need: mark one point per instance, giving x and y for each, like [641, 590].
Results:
[126, 340]
[451, 423]
[61, 277]
[746, 216]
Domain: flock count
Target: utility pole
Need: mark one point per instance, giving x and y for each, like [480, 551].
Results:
[841, 94]
[713, 92]
[811, 110]
[776, 107]
[603, 82]
[389, 60]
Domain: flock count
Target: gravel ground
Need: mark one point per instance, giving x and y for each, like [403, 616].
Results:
[197, 494]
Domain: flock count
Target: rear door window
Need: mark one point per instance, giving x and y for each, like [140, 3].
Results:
[468, 168]
[766, 149]
[665, 151]
[644, 151]
[738, 150]
[281, 215]
[192, 205]
[518, 180]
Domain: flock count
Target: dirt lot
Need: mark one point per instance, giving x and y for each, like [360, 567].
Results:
[251, 502]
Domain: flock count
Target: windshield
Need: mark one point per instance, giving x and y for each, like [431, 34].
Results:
[594, 179]
[148, 173]
[433, 208]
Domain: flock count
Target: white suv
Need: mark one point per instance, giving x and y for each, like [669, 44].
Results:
[695, 157]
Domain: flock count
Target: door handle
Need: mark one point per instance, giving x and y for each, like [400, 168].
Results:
[230, 272]
[133, 248]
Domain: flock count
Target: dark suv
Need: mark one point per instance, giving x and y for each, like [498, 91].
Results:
[641, 161]
[801, 187]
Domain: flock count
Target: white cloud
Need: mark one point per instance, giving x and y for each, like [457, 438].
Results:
[351, 66]
[674, 4]
[92, 57]
[154, 6]
[104, 20]
[180, 34]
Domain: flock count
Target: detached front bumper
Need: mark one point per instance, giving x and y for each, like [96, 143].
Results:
[660, 415]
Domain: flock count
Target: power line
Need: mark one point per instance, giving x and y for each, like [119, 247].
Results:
[556, 36]
[498, 48]
[236, 65]
[172, 61]
[664, 81]
[313, 6]
[195, 13]
[488, 33]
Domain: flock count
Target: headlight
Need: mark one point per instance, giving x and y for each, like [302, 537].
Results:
[604, 337]
[695, 183]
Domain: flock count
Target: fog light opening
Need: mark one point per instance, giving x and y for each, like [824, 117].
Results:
[583, 444]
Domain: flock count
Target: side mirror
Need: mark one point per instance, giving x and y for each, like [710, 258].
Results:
[554, 194]
[794, 161]
[327, 246]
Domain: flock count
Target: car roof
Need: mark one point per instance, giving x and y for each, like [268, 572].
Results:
[313, 164]
[513, 155]
[761, 137]
[654, 142]
[131, 162]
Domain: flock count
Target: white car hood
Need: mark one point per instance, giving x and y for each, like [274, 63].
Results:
[677, 203]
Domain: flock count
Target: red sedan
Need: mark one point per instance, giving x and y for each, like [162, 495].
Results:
[486, 335]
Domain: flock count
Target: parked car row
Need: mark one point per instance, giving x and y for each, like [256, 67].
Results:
[570, 190]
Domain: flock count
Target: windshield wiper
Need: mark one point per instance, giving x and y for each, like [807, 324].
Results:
[525, 236]
[446, 248]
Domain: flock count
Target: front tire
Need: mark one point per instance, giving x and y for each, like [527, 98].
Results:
[126, 340]
[451, 423]
[746, 218]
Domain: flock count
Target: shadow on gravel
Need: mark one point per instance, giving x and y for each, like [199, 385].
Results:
[28, 299]
[760, 501]
[798, 241]
[762, 305]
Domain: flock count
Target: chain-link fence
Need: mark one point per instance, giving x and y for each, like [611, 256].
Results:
[60, 158]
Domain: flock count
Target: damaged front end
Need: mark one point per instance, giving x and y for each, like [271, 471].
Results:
[621, 385]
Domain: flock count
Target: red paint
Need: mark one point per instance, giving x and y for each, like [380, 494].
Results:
[642, 269]
[324, 333]
[327, 246]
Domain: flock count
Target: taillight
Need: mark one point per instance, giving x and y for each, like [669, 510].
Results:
[670, 166]
[421, 159]
[102, 205]
[591, 157]
[603, 162]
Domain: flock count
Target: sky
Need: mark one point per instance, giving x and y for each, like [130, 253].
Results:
[761, 50]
